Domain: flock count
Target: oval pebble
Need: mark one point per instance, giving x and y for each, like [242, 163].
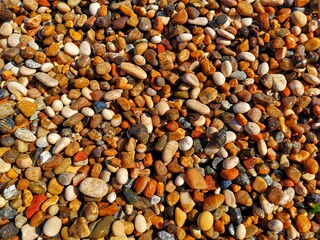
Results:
[140, 223]
[93, 187]
[52, 226]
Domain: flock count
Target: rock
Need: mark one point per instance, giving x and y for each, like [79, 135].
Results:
[213, 202]
[219, 78]
[197, 106]
[259, 185]
[93, 187]
[245, 8]
[279, 82]
[275, 225]
[303, 224]
[46, 79]
[71, 49]
[28, 232]
[312, 44]
[27, 108]
[179, 217]
[140, 131]
[8, 231]
[6, 109]
[79, 228]
[6, 29]
[24, 135]
[186, 143]
[299, 18]
[190, 79]
[195, 180]
[208, 95]
[102, 228]
[169, 150]
[140, 223]
[133, 70]
[247, 56]
[241, 231]
[186, 201]
[205, 220]
[52, 226]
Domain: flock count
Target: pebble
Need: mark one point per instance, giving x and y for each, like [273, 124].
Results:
[52, 226]
[71, 49]
[186, 143]
[140, 223]
[133, 70]
[6, 29]
[195, 180]
[241, 107]
[219, 78]
[299, 18]
[46, 79]
[93, 187]
[197, 106]
[205, 220]
[247, 56]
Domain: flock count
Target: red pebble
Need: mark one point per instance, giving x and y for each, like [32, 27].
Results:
[80, 156]
[35, 205]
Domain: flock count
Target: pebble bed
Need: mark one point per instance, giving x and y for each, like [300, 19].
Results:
[157, 119]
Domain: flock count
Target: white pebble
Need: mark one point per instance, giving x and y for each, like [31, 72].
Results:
[230, 162]
[52, 226]
[140, 223]
[156, 39]
[252, 128]
[225, 34]
[139, 60]
[71, 193]
[57, 105]
[223, 41]
[46, 67]
[93, 8]
[263, 68]
[6, 29]
[212, 34]
[247, 56]
[107, 114]
[179, 181]
[241, 232]
[88, 112]
[219, 78]
[275, 225]
[184, 37]
[241, 107]
[65, 100]
[42, 142]
[71, 49]
[53, 138]
[15, 87]
[279, 82]
[49, 111]
[226, 68]
[67, 111]
[246, 21]
[296, 88]
[122, 176]
[111, 197]
[185, 143]
[61, 144]
[85, 48]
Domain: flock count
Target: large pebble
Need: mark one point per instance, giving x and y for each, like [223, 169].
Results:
[190, 79]
[219, 78]
[6, 29]
[247, 56]
[133, 70]
[24, 135]
[241, 107]
[46, 79]
[140, 223]
[71, 49]
[93, 187]
[52, 226]
[195, 180]
[205, 220]
[169, 151]
[279, 82]
[197, 106]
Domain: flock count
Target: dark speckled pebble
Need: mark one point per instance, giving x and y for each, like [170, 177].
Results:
[8, 231]
[235, 215]
[99, 106]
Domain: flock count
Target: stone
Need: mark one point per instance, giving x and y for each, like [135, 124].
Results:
[245, 8]
[27, 108]
[213, 202]
[303, 224]
[133, 70]
[52, 226]
[208, 95]
[299, 18]
[205, 220]
[169, 150]
[46, 79]
[79, 228]
[140, 223]
[197, 106]
[8, 231]
[93, 187]
[102, 228]
[195, 180]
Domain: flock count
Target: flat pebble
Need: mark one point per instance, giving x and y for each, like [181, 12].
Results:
[93, 187]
